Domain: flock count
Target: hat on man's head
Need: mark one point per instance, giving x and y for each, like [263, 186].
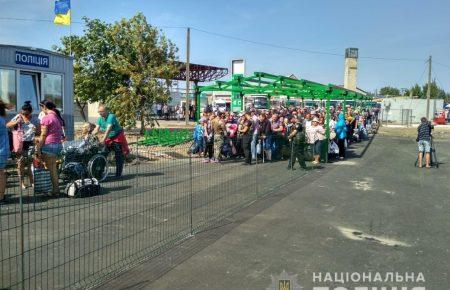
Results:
[315, 119]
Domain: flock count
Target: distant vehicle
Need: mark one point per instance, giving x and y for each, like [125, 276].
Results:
[221, 105]
[259, 102]
[293, 102]
[310, 104]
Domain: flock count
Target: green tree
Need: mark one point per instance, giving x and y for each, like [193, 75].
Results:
[435, 91]
[447, 98]
[94, 79]
[416, 90]
[389, 91]
[148, 60]
[127, 65]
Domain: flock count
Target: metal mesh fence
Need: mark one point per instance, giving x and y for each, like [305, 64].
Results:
[164, 196]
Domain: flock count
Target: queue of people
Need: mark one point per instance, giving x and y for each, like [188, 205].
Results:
[166, 112]
[289, 133]
[39, 140]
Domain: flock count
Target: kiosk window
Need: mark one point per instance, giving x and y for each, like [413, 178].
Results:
[8, 89]
[52, 85]
[29, 88]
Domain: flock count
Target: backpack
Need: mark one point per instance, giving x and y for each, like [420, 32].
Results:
[83, 188]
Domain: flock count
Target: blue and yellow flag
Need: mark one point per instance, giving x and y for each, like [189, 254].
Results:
[62, 12]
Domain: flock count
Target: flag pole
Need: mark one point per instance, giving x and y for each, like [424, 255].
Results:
[70, 39]
[70, 33]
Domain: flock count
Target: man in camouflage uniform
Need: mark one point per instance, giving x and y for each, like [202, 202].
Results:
[218, 126]
[298, 144]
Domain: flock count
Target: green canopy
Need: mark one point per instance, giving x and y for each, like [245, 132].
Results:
[273, 85]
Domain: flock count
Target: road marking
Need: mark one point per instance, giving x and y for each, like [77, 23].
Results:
[357, 235]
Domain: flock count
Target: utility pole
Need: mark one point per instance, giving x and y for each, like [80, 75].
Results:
[429, 88]
[188, 48]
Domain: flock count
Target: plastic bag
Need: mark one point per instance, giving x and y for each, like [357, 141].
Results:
[334, 148]
[258, 148]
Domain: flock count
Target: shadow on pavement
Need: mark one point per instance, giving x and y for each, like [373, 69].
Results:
[149, 271]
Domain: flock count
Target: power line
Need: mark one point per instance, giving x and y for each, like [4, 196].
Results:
[299, 49]
[441, 64]
[76, 22]
[436, 78]
[421, 76]
[393, 59]
[442, 86]
[266, 44]
[243, 40]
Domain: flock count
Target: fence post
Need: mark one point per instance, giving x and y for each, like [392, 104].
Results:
[327, 127]
[191, 193]
[22, 243]
[256, 165]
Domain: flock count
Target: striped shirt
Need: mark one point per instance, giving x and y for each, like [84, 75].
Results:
[424, 131]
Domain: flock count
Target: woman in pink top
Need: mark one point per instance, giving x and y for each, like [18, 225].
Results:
[50, 142]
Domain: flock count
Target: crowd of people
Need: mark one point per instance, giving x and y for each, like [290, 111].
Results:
[35, 140]
[167, 112]
[292, 133]
[289, 133]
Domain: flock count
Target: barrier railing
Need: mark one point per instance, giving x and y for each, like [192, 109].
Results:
[164, 196]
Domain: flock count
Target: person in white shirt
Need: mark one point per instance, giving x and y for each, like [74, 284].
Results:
[307, 121]
[315, 134]
[332, 123]
[27, 126]
[180, 113]
[159, 110]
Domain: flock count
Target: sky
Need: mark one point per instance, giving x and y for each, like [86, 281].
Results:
[406, 29]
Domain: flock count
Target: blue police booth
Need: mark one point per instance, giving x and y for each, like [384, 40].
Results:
[31, 74]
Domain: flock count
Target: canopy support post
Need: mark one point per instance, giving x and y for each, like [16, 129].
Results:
[197, 103]
[327, 125]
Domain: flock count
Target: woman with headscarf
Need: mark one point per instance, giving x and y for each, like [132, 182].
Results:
[341, 134]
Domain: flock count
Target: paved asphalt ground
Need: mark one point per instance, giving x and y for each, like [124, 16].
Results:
[377, 213]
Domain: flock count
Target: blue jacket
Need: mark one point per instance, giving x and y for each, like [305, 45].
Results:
[4, 139]
[341, 127]
[198, 132]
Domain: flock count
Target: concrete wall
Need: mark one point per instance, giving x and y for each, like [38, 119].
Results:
[93, 112]
[394, 109]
